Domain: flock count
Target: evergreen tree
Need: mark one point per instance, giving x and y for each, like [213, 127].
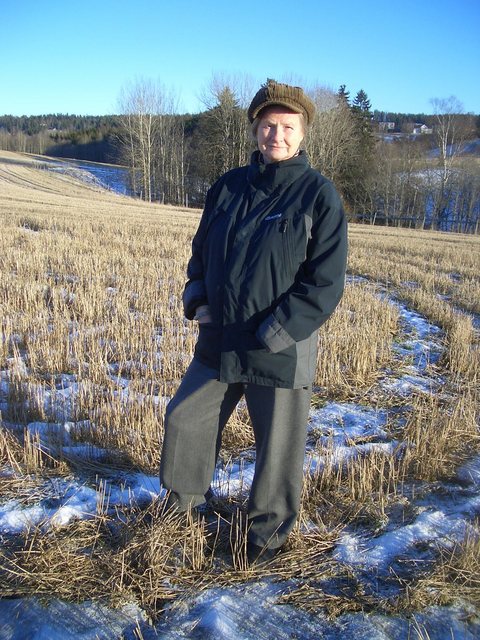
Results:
[226, 138]
[362, 103]
[343, 95]
[362, 171]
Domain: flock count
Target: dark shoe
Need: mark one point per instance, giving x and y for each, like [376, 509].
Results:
[210, 495]
[260, 555]
[219, 506]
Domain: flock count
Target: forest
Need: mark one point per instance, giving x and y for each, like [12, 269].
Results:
[394, 169]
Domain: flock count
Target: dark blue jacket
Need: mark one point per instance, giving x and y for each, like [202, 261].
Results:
[269, 258]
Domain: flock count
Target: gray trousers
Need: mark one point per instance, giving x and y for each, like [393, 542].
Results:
[194, 421]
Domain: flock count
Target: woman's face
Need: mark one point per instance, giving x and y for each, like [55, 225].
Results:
[279, 133]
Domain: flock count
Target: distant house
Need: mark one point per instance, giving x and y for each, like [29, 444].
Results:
[421, 129]
[386, 126]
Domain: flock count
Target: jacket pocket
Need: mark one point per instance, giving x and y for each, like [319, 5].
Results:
[207, 349]
[276, 368]
[288, 245]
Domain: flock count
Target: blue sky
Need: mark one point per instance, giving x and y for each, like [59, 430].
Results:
[62, 56]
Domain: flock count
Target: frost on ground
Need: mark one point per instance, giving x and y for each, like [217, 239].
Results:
[244, 612]
[252, 610]
[250, 613]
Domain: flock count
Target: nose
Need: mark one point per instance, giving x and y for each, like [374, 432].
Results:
[276, 133]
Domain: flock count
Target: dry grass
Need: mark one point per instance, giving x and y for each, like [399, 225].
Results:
[353, 350]
[440, 436]
[443, 264]
[151, 556]
[70, 562]
[453, 578]
[436, 273]
[91, 295]
[456, 575]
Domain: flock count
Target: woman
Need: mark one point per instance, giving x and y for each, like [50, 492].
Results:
[267, 269]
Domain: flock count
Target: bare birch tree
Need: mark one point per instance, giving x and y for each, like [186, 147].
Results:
[138, 105]
[448, 135]
[152, 144]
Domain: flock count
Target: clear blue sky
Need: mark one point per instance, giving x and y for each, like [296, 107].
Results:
[60, 56]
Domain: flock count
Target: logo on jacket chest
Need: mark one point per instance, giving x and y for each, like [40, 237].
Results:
[273, 216]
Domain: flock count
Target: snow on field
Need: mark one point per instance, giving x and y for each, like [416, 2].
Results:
[250, 610]
[66, 500]
[112, 177]
[238, 613]
[442, 526]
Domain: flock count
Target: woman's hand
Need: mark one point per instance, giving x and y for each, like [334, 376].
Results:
[202, 314]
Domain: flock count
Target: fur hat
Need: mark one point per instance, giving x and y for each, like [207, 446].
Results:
[283, 94]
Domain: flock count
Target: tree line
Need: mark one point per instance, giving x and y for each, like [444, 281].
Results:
[68, 136]
[419, 181]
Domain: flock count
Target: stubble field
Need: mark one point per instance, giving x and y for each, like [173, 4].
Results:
[93, 343]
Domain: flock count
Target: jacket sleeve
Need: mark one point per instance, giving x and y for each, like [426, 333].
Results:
[319, 283]
[195, 292]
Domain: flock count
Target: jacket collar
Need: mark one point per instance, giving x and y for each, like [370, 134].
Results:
[276, 175]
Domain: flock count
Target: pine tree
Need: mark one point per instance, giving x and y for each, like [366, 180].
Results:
[362, 171]
[343, 95]
[362, 103]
